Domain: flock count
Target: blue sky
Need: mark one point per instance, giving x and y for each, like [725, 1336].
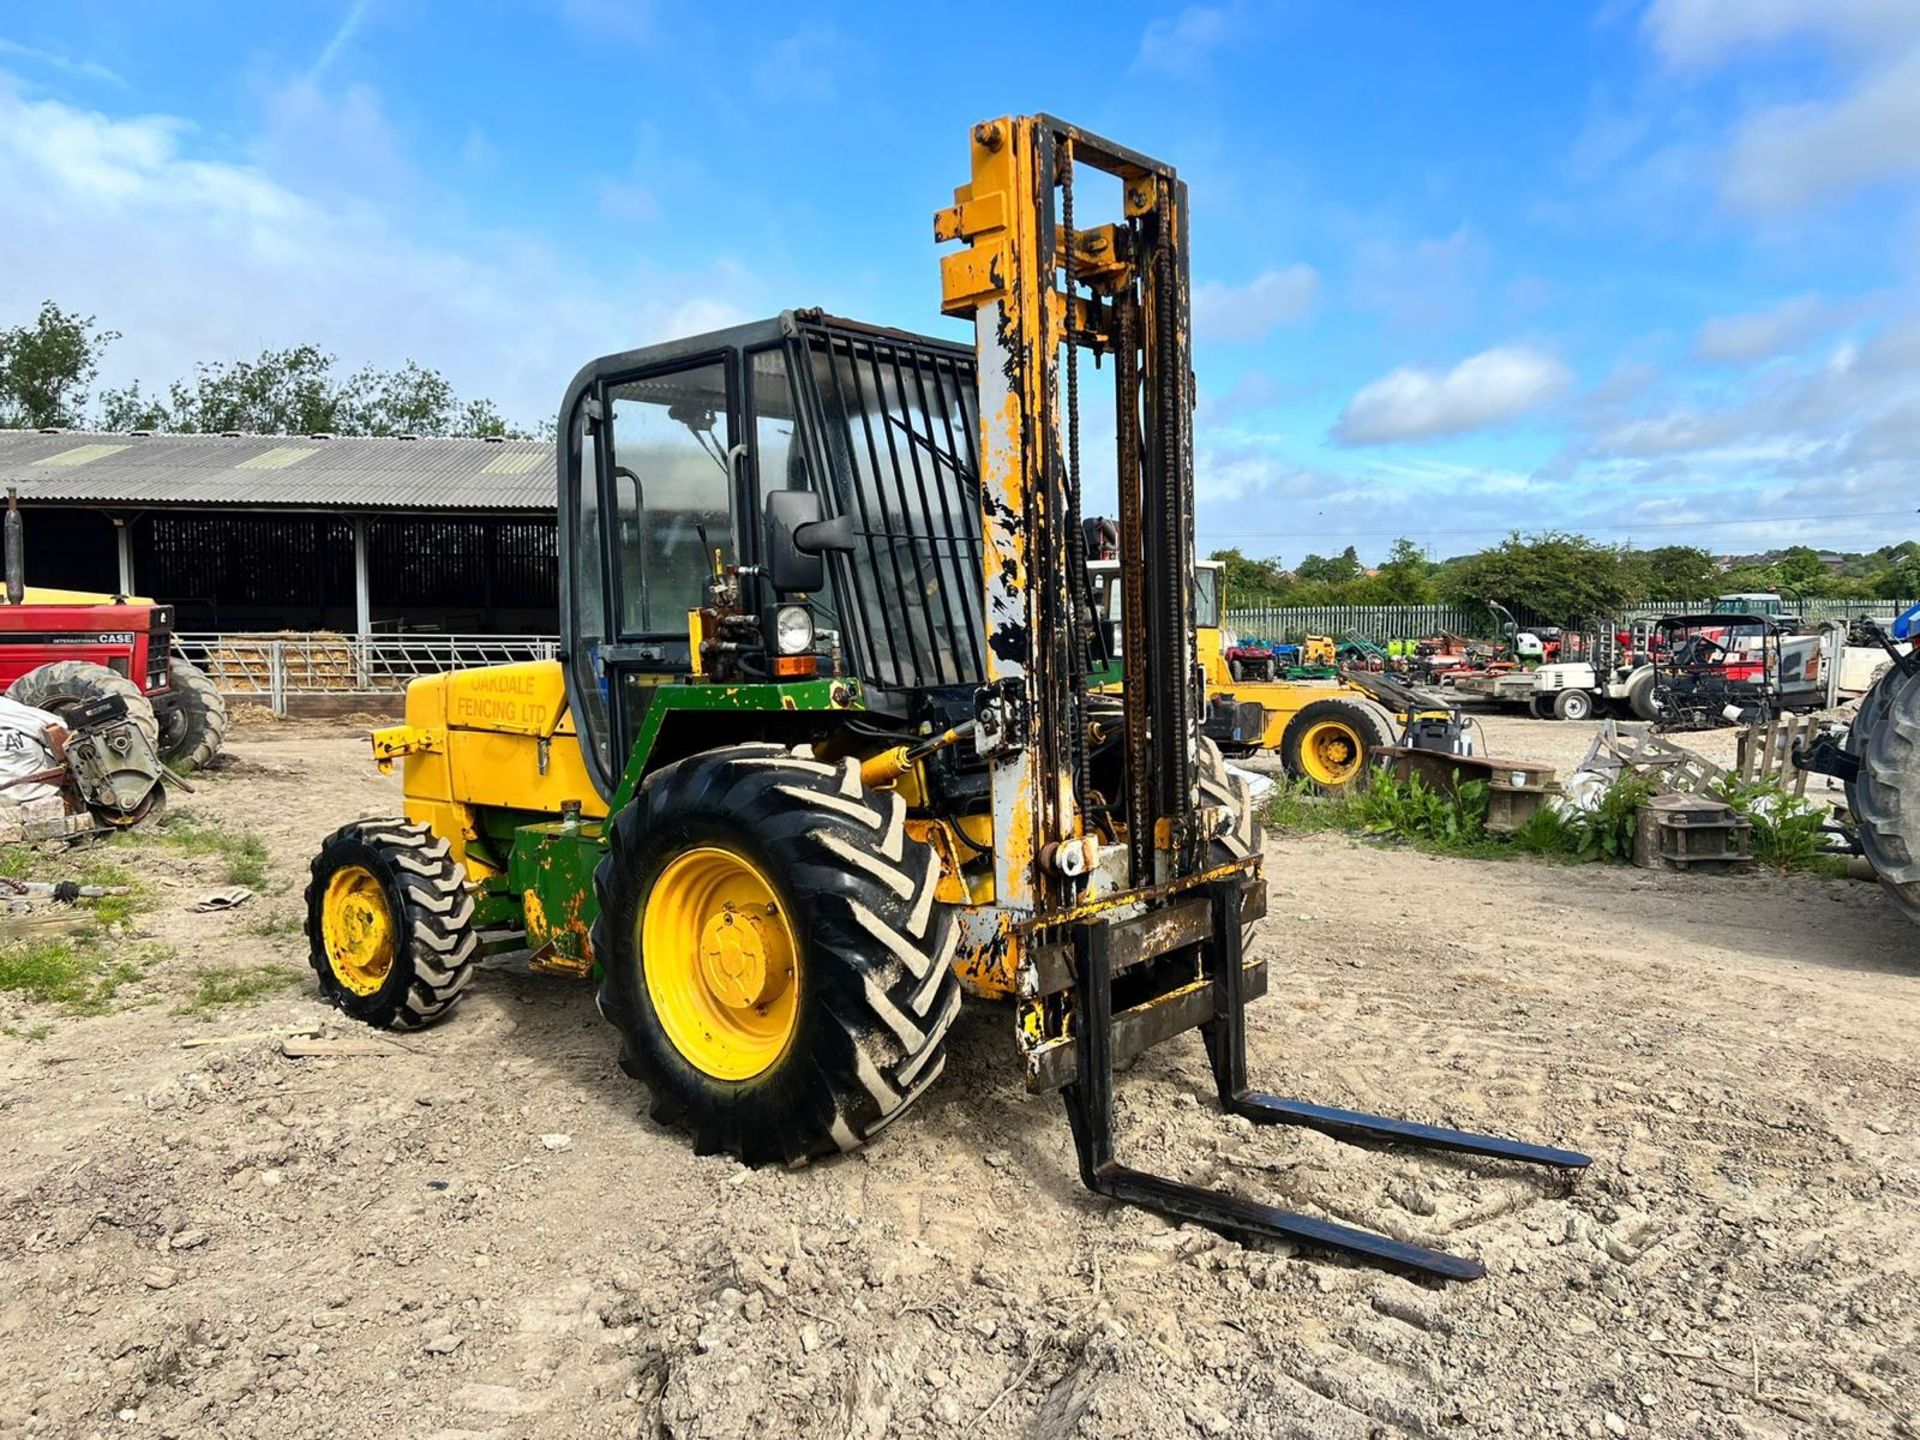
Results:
[1646, 270]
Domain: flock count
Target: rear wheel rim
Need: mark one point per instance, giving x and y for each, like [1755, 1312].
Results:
[357, 929]
[721, 965]
[1330, 752]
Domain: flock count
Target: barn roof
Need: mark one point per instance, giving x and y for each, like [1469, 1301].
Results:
[302, 472]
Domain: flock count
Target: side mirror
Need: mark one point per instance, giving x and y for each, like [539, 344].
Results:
[798, 534]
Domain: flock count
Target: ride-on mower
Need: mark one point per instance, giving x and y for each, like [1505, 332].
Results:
[821, 753]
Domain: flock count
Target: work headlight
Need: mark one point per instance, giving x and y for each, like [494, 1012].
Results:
[793, 629]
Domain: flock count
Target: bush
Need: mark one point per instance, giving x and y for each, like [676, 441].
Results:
[1413, 810]
[1789, 831]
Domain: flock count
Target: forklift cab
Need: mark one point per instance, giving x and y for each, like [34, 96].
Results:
[820, 468]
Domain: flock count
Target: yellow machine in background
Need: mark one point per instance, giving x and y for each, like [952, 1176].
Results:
[1325, 732]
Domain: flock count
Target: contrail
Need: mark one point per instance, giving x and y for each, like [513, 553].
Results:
[340, 38]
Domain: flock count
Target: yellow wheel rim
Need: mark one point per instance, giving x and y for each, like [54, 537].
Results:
[357, 929]
[1331, 753]
[721, 965]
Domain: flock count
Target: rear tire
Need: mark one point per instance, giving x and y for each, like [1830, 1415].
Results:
[1867, 719]
[1640, 695]
[65, 685]
[192, 732]
[1885, 799]
[871, 953]
[1331, 743]
[1540, 706]
[389, 924]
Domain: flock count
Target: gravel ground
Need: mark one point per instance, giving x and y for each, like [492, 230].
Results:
[476, 1232]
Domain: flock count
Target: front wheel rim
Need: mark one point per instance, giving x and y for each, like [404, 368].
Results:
[1330, 753]
[721, 964]
[357, 929]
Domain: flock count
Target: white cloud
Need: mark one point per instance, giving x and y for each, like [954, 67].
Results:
[66, 64]
[1485, 389]
[199, 258]
[1760, 334]
[1181, 44]
[1786, 157]
[1254, 310]
[1699, 33]
[341, 38]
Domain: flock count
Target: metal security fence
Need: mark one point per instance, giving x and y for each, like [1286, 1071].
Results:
[1292, 623]
[273, 667]
[1289, 624]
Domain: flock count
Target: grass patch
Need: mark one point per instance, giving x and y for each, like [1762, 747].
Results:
[280, 925]
[247, 862]
[1788, 831]
[17, 860]
[72, 971]
[1297, 807]
[218, 988]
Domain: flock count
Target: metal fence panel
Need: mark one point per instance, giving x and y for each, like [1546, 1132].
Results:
[1289, 624]
[1292, 623]
[276, 666]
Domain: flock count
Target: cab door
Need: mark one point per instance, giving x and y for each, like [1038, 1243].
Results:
[656, 510]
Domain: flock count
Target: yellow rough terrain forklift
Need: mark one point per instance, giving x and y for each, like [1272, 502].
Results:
[821, 753]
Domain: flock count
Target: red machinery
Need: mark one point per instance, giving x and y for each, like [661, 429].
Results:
[61, 648]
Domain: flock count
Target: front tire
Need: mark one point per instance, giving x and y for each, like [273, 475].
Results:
[194, 729]
[773, 954]
[389, 924]
[1330, 743]
[1573, 705]
[64, 685]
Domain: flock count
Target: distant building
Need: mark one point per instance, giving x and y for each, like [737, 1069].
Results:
[296, 532]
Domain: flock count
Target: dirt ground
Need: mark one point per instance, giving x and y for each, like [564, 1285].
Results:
[478, 1232]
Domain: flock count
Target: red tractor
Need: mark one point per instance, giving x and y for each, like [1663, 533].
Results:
[60, 649]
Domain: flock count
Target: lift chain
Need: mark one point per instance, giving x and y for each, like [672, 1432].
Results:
[1076, 537]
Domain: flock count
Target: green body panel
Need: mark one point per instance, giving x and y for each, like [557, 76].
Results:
[551, 870]
[797, 695]
[547, 886]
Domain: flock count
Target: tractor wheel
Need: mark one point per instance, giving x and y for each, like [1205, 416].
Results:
[1241, 833]
[1540, 706]
[772, 953]
[1885, 799]
[66, 684]
[1331, 742]
[192, 732]
[1573, 705]
[1869, 717]
[389, 923]
[1640, 695]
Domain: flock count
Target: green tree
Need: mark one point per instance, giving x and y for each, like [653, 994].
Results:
[1342, 567]
[1564, 579]
[1251, 582]
[1678, 572]
[46, 368]
[1404, 577]
[295, 392]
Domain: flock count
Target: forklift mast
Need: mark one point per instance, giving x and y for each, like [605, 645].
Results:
[1040, 288]
[1165, 917]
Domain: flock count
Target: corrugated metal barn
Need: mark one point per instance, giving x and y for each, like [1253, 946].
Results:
[276, 532]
